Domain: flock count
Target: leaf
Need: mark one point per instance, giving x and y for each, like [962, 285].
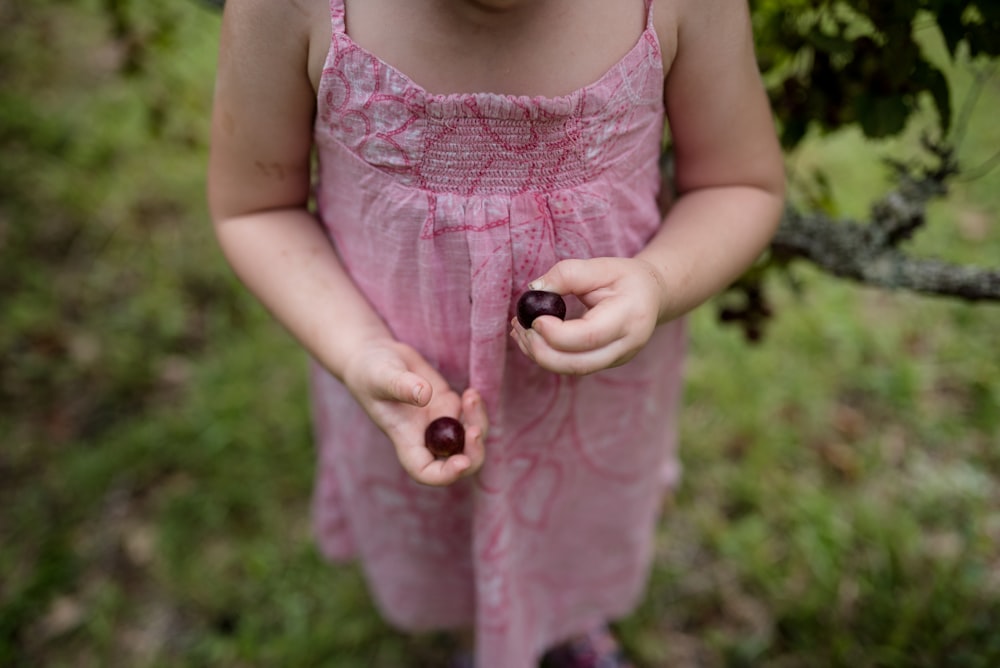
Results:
[793, 131]
[949, 20]
[833, 44]
[935, 83]
[882, 116]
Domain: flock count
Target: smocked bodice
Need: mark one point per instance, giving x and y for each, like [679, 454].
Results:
[482, 143]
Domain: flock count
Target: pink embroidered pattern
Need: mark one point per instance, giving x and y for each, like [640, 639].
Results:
[443, 208]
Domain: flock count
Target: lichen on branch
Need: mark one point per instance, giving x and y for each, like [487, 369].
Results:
[870, 251]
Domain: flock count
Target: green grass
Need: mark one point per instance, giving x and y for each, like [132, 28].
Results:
[841, 498]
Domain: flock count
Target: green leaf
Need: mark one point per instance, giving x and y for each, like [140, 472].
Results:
[882, 116]
[833, 44]
[935, 83]
[949, 20]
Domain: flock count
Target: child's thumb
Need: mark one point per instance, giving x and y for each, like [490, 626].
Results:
[565, 277]
[408, 388]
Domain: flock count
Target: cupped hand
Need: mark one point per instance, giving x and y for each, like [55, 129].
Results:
[623, 297]
[402, 393]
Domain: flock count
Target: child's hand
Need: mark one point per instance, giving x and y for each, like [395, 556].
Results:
[623, 297]
[402, 394]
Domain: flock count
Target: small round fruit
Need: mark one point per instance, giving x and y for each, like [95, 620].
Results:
[534, 303]
[445, 437]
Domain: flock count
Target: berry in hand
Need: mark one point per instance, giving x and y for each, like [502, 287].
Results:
[445, 437]
[534, 303]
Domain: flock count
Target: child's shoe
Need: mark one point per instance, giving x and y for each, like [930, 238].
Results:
[461, 659]
[597, 648]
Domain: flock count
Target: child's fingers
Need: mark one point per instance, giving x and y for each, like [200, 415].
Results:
[428, 470]
[474, 411]
[578, 347]
[439, 472]
[476, 424]
[592, 333]
[423, 467]
[577, 363]
[572, 276]
[444, 472]
[420, 464]
[598, 328]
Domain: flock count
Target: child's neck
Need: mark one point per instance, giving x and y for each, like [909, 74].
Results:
[517, 47]
[495, 14]
[493, 6]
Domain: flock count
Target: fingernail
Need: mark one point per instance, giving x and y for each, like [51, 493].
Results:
[417, 389]
[535, 284]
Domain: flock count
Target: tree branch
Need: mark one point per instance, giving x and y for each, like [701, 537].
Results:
[869, 252]
[844, 249]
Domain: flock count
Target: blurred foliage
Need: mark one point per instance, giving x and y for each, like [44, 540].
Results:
[77, 190]
[834, 63]
[886, 70]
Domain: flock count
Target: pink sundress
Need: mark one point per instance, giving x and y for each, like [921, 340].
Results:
[442, 209]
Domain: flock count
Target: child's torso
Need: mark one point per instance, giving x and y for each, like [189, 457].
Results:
[542, 48]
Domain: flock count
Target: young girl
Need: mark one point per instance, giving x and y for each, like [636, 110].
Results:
[467, 150]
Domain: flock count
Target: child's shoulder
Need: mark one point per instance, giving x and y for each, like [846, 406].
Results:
[289, 16]
[292, 21]
[666, 22]
[696, 18]
[698, 22]
[299, 28]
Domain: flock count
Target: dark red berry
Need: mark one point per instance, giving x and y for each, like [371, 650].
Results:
[534, 303]
[445, 437]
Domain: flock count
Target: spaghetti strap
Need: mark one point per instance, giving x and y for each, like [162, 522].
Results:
[337, 16]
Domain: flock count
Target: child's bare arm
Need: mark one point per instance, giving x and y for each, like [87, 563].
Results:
[729, 168]
[730, 181]
[259, 181]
